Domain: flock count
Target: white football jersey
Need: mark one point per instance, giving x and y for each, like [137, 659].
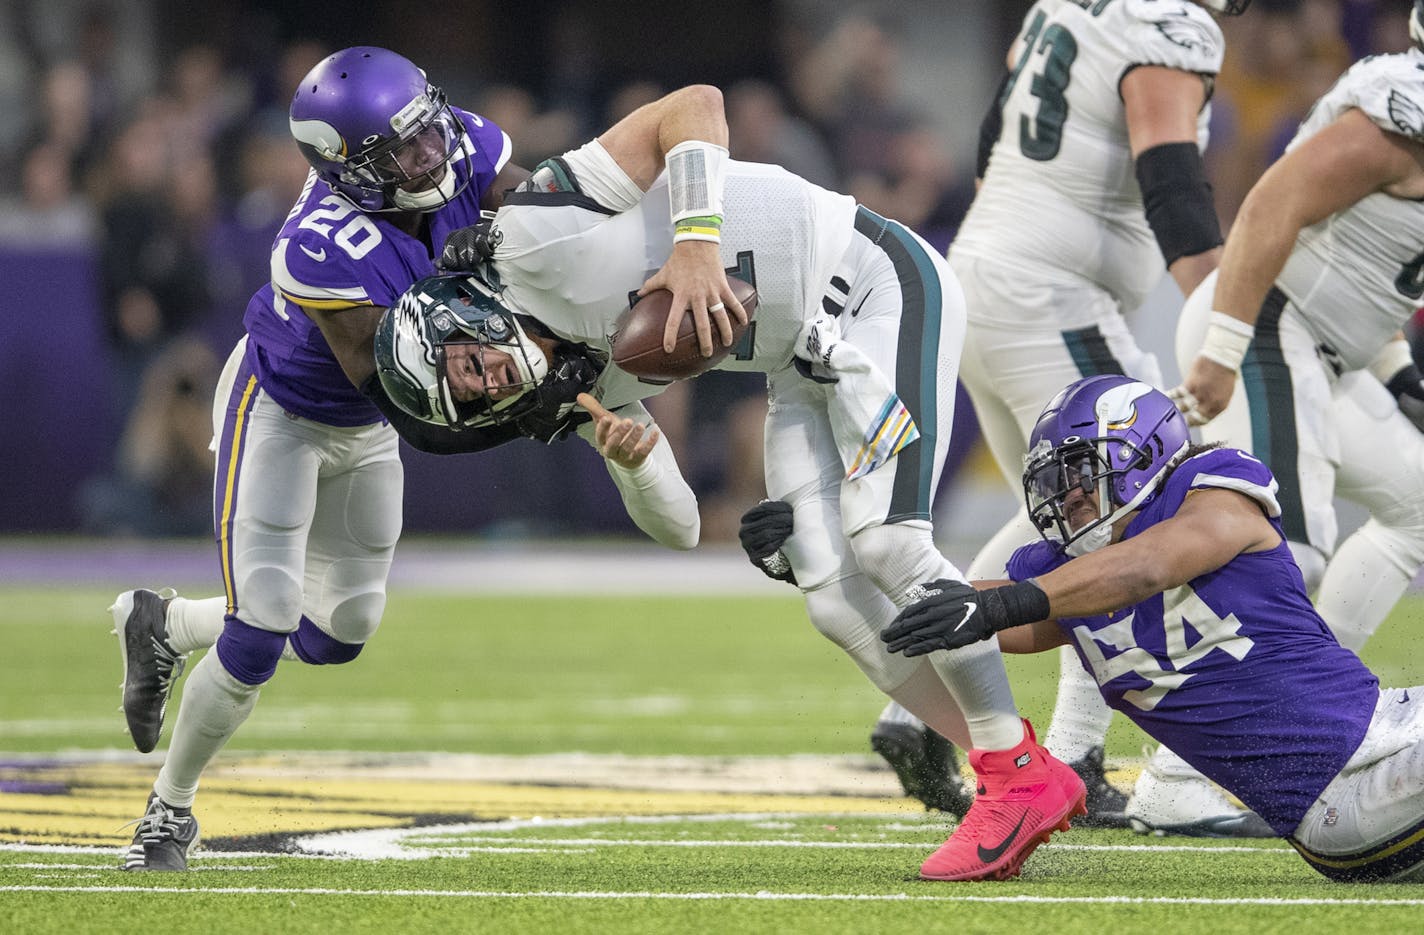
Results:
[573, 262]
[1358, 275]
[1060, 197]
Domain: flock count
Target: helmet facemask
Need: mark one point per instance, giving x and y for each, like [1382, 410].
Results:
[1053, 476]
[1109, 437]
[416, 344]
[494, 332]
[429, 139]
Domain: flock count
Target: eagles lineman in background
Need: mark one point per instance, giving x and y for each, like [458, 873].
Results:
[1091, 186]
[858, 327]
[1322, 269]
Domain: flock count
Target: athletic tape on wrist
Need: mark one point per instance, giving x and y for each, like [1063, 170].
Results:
[695, 176]
[1394, 357]
[1226, 340]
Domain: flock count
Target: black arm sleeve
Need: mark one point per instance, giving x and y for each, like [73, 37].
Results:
[1178, 200]
[991, 127]
[435, 439]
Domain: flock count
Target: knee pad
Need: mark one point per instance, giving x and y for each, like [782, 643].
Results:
[899, 556]
[851, 612]
[248, 653]
[355, 619]
[270, 598]
[315, 648]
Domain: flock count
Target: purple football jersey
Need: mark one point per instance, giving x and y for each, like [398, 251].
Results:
[329, 255]
[1235, 671]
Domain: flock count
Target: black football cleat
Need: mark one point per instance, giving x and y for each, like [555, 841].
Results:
[163, 838]
[1107, 805]
[151, 665]
[926, 765]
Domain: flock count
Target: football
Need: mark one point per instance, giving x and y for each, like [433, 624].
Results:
[638, 337]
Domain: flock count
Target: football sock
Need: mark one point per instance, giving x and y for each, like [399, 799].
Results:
[1080, 715]
[194, 624]
[925, 692]
[214, 705]
[895, 713]
[976, 677]
[1363, 582]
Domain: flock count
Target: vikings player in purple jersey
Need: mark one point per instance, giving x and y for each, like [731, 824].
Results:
[1187, 607]
[307, 496]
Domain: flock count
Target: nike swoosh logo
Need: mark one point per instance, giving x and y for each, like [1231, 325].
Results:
[969, 610]
[1404, 697]
[317, 255]
[989, 855]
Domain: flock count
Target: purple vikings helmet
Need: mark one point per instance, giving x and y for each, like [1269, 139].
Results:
[369, 123]
[1110, 435]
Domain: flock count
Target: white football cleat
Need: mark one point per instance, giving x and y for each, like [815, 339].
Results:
[1189, 804]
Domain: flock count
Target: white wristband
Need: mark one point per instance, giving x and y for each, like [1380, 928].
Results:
[1393, 358]
[695, 175]
[1226, 340]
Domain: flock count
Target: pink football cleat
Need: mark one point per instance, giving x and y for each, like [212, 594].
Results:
[1024, 795]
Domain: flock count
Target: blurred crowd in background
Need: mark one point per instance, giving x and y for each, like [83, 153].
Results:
[152, 139]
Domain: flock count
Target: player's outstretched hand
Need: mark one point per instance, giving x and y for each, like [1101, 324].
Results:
[764, 530]
[697, 281]
[946, 617]
[625, 442]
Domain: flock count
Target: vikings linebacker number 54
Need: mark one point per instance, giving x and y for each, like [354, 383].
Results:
[1182, 610]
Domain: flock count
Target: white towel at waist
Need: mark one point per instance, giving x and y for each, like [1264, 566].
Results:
[869, 422]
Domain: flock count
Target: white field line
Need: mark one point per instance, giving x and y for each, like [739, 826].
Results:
[425, 842]
[835, 845]
[762, 896]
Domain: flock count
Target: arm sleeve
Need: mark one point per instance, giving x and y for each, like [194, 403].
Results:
[599, 176]
[655, 494]
[435, 439]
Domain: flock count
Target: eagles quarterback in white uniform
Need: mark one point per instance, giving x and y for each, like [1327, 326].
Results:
[858, 327]
[1322, 269]
[1091, 188]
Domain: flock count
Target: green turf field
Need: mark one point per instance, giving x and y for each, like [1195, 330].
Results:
[715, 678]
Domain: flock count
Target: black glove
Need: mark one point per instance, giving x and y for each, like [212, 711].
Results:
[953, 614]
[572, 374]
[764, 530]
[467, 248]
[1408, 388]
